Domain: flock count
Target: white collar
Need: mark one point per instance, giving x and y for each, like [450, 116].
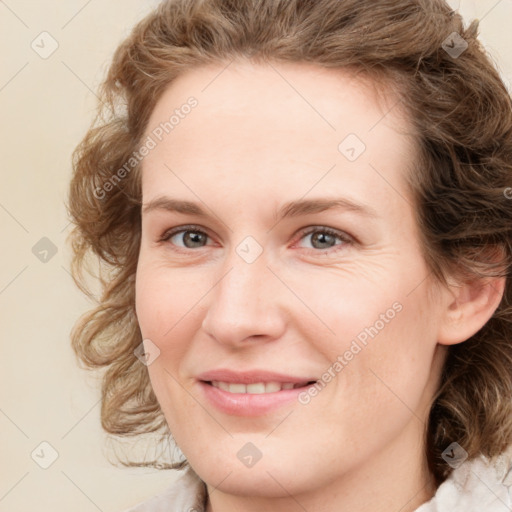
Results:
[477, 485]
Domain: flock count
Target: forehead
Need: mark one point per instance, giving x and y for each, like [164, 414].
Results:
[261, 121]
[242, 87]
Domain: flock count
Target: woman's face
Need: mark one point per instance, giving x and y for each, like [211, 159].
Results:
[279, 247]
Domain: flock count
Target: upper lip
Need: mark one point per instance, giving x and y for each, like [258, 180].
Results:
[251, 377]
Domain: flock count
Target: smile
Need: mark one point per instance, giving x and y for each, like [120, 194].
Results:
[256, 388]
[253, 398]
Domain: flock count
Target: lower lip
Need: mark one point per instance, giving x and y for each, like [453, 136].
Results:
[247, 404]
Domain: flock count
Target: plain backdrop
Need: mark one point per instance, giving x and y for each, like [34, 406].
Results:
[49, 408]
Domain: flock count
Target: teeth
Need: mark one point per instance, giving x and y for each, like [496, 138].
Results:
[270, 387]
[222, 385]
[253, 389]
[258, 388]
[236, 388]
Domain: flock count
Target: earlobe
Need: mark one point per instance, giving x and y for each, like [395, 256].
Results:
[468, 308]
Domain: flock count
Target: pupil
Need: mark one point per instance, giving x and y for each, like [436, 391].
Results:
[193, 238]
[321, 237]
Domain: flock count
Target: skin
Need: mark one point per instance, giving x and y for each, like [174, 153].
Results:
[254, 142]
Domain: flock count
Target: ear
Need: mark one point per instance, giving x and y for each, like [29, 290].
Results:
[468, 307]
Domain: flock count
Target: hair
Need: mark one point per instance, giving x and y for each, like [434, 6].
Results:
[461, 112]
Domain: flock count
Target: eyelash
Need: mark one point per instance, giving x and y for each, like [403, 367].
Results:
[343, 237]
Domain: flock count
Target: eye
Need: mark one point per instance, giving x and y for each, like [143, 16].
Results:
[190, 236]
[323, 239]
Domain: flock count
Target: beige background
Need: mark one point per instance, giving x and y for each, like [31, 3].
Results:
[47, 105]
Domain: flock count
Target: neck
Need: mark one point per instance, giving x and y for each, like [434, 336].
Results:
[395, 479]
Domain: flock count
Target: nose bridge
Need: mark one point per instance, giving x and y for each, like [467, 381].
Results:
[244, 302]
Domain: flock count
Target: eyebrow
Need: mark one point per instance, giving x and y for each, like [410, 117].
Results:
[290, 209]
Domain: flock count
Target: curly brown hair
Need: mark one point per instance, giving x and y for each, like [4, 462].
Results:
[460, 109]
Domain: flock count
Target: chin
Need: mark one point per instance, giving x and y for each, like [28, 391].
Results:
[272, 476]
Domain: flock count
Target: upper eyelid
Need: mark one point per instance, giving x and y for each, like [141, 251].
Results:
[181, 229]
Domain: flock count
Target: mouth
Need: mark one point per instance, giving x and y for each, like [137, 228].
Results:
[257, 388]
[255, 392]
[256, 398]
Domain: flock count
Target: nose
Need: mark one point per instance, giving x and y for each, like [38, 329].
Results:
[246, 304]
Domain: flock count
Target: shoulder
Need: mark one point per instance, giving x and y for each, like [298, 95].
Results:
[186, 493]
[476, 485]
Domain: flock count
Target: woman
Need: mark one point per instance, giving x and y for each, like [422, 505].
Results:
[302, 210]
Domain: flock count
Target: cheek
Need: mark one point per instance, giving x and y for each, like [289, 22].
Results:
[349, 308]
[384, 337]
[163, 299]
[391, 374]
[162, 304]
[168, 307]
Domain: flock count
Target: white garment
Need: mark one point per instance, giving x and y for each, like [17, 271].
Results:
[477, 485]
